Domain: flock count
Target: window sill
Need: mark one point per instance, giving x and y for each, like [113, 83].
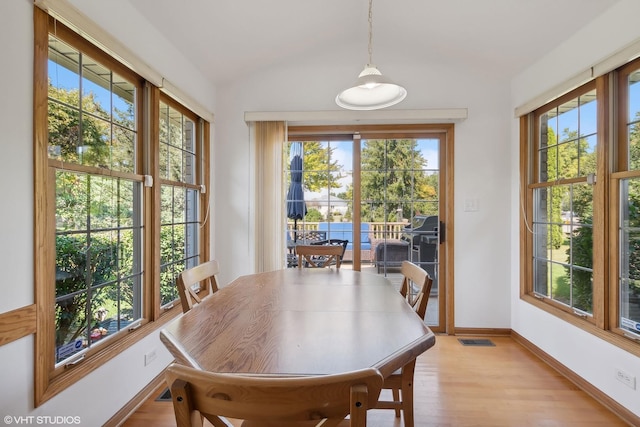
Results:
[71, 375]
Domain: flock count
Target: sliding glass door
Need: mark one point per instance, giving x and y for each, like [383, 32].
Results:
[382, 192]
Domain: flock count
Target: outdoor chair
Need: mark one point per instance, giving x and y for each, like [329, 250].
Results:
[318, 256]
[205, 272]
[302, 237]
[415, 288]
[272, 401]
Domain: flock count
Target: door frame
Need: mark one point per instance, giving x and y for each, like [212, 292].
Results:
[446, 310]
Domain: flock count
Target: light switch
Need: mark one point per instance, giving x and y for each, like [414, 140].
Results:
[471, 205]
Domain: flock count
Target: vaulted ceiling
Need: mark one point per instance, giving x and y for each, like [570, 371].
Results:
[227, 39]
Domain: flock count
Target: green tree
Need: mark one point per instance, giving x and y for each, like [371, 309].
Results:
[633, 210]
[393, 177]
[89, 263]
[82, 139]
[313, 215]
[574, 160]
[556, 193]
[80, 266]
[321, 170]
[172, 250]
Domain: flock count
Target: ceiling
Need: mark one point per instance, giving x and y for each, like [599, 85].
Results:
[227, 39]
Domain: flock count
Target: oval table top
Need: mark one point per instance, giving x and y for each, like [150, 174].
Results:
[300, 322]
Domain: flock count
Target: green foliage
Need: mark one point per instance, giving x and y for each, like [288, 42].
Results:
[582, 255]
[313, 215]
[82, 267]
[175, 154]
[83, 140]
[633, 249]
[566, 158]
[71, 266]
[634, 145]
[321, 170]
[393, 178]
[633, 213]
[90, 264]
[556, 193]
[565, 161]
[87, 137]
[172, 253]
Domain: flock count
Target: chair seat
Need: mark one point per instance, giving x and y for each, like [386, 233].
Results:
[393, 379]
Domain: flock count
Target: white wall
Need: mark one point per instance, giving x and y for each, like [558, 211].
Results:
[100, 395]
[588, 356]
[481, 146]
[16, 184]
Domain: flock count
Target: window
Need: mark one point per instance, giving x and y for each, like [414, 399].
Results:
[109, 241]
[92, 133]
[563, 201]
[580, 207]
[179, 195]
[627, 184]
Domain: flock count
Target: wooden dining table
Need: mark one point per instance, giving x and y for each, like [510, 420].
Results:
[295, 322]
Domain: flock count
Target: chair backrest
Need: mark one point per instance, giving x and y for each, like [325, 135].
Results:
[319, 255]
[272, 400]
[333, 242]
[206, 272]
[416, 287]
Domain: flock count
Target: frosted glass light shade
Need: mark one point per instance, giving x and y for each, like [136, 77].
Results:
[371, 91]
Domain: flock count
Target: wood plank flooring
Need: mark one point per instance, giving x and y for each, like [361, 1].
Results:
[459, 386]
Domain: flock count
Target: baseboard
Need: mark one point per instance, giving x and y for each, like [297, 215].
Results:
[619, 410]
[127, 410]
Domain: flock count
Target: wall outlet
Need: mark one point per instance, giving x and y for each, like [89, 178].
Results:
[626, 378]
[150, 357]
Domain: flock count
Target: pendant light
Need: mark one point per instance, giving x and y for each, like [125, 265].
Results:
[372, 90]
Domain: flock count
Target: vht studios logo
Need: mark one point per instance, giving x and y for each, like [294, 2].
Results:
[47, 420]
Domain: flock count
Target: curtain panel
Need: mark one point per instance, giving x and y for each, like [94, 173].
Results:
[268, 140]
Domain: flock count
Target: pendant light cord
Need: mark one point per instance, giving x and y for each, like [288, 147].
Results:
[370, 30]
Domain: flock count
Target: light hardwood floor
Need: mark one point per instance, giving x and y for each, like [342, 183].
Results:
[458, 386]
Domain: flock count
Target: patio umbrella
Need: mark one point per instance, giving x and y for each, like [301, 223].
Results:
[296, 207]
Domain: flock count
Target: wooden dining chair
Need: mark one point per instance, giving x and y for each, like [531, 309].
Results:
[333, 242]
[272, 401]
[205, 272]
[415, 288]
[317, 256]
